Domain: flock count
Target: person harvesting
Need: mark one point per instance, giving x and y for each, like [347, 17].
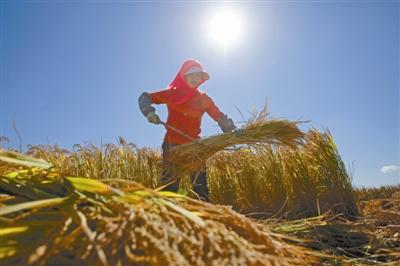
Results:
[186, 105]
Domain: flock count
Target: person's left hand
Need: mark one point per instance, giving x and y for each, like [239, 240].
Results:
[226, 124]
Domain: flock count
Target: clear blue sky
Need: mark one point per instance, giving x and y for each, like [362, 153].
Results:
[72, 72]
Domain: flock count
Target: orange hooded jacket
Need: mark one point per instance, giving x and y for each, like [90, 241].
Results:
[186, 106]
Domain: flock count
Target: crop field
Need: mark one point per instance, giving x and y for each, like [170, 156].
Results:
[278, 197]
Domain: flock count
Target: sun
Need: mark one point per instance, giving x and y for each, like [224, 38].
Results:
[225, 27]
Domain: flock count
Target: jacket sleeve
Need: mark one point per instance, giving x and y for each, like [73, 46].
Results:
[146, 99]
[212, 110]
[225, 123]
[160, 97]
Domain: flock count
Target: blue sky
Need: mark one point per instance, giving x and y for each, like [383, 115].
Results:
[71, 72]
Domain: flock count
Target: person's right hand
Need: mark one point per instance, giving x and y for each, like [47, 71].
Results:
[152, 117]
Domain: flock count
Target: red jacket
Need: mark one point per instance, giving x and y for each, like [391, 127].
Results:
[186, 116]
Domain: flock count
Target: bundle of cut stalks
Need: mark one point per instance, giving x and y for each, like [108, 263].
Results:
[51, 219]
[192, 156]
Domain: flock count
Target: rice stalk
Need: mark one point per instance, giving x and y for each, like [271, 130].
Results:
[190, 157]
[267, 181]
[97, 225]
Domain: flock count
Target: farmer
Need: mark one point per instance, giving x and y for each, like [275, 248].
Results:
[186, 104]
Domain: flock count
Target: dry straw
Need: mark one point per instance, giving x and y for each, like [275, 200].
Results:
[49, 218]
[192, 156]
[284, 182]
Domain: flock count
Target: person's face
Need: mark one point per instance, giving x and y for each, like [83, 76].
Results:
[194, 79]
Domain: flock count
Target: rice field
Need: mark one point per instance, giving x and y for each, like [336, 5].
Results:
[264, 180]
[278, 197]
[383, 192]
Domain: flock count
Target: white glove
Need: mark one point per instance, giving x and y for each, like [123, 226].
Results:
[152, 117]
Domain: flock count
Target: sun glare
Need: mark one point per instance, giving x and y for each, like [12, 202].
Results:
[225, 27]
